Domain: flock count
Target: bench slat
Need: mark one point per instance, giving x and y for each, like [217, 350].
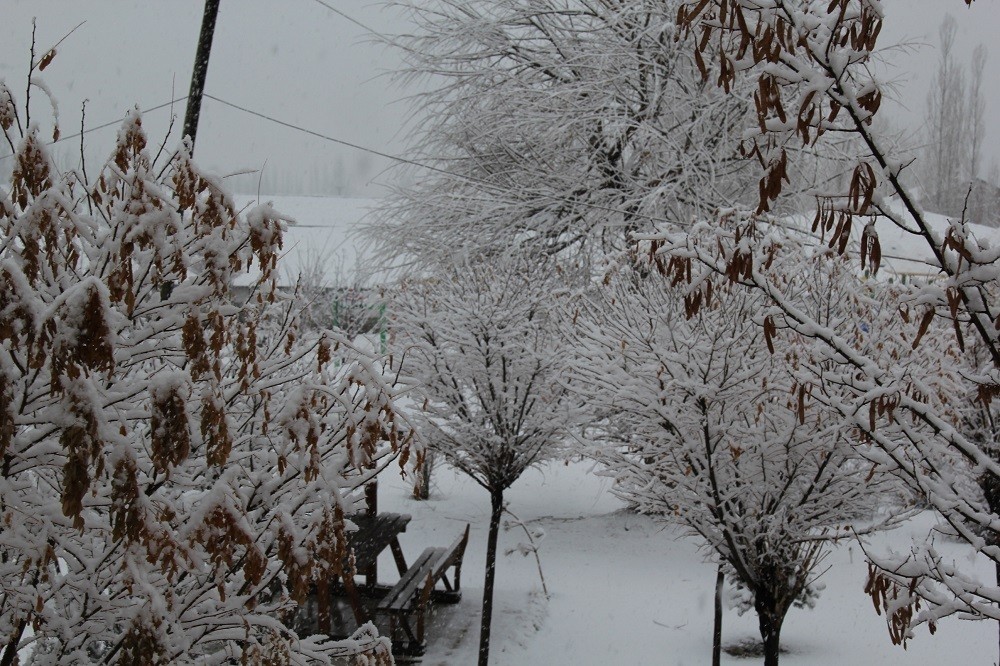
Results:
[413, 593]
[400, 596]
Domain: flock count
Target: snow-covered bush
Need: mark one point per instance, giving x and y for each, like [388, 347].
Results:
[174, 466]
[708, 420]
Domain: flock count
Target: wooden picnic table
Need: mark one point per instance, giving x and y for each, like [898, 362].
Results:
[407, 602]
[375, 533]
[373, 536]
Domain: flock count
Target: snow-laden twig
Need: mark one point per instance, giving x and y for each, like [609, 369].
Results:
[527, 548]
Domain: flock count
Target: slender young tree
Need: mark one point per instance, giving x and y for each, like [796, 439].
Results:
[981, 207]
[710, 423]
[977, 111]
[948, 151]
[481, 339]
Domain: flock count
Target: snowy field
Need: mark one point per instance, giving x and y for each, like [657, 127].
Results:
[625, 590]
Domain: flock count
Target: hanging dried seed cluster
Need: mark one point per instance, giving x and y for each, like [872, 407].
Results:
[899, 610]
[786, 52]
[183, 453]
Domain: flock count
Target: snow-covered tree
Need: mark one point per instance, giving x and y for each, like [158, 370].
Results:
[481, 339]
[949, 128]
[977, 111]
[564, 124]
[955, 120]
[810, 61]
[982, 206]
[174, 466]
[710, 422]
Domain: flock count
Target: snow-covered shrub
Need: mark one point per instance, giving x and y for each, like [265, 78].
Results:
[174, 467]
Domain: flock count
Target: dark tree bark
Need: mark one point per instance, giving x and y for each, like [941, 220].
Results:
[991, 491]
[200, 72]
[720, 578]
[496, 506]
[770, 619]
[996, 566]
[422, 490]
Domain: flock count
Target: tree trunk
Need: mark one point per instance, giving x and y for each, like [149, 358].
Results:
[422, 490]
[496, 505]
[717, 630]
[990, 485]
[772, 646]
[770, 619]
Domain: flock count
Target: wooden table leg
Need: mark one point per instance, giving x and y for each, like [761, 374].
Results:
[397, 554]
[371, 505]
[355, 600]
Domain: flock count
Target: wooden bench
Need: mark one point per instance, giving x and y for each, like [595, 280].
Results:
[410, 598]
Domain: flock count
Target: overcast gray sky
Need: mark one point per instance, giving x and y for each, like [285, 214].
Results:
[302, 63]
[292, 59]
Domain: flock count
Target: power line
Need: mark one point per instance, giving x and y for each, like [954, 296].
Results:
[395, 158]
[77, 135]
[422, 165]
[372, 151]
[326, 137]
[348, 17]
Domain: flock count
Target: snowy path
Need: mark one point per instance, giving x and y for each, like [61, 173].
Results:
[627, 591]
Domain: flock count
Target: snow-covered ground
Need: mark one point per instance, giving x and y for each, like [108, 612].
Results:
[626, 590]
[905, 253]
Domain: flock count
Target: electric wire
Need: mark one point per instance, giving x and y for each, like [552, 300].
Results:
[348, 17]
[77, 135]
[430, 167]
[326, 137]
[395, 158]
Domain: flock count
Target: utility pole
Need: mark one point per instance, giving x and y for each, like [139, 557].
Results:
[200, 70]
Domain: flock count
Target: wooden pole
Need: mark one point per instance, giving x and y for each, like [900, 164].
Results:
[200, 72]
